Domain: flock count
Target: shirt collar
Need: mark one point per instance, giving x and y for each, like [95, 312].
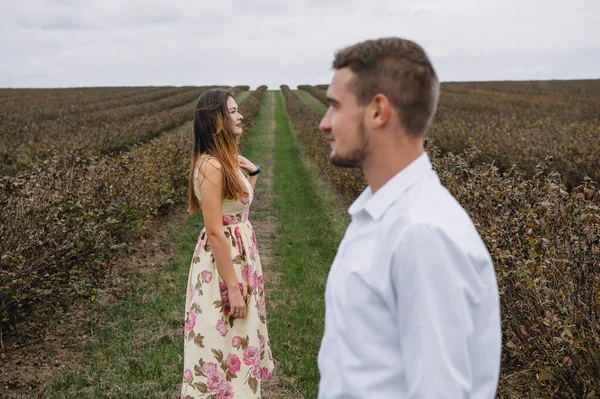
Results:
[377, 204]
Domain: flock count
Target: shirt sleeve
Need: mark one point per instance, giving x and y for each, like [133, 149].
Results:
[433, 313]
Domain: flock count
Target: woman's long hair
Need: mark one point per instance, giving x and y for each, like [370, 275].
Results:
[213, 135]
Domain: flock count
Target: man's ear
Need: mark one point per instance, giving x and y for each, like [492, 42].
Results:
[380, 110]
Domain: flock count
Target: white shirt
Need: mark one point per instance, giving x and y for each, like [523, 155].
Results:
[411, 304]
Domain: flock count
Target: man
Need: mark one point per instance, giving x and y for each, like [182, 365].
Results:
[412, 305]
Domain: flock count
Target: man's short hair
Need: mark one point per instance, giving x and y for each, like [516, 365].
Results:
[398, 69]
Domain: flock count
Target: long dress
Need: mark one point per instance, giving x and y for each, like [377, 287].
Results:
[226, 357]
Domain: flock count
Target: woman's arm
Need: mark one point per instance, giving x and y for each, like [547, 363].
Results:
[252, 180]
[210, 180]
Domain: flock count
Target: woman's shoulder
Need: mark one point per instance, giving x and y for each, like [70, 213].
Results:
[207, 164]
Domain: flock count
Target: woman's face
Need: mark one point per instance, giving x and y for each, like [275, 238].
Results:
[235, 116]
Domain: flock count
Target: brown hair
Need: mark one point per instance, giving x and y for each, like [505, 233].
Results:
[398, 69]
[213, 135]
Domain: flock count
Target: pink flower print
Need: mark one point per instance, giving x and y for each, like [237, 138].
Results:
[241, 287]
[265, 375]
[244, 200]
[254, 239]
[259, 284]
[224, 297]
[206, 276]
[223, 291]
[261, 338]
[215, 381]
[191, 322]
[234, 363]
[228, 219]
[252, 280]
[262, 308]
[256, 371]
[226, 392]
[192, 292]
[245, 214]
[238, 239]
[222, 327]
[248, 275]
[209, 368]
[236, 341]
[252, 252]
[246, 271]
[251, 356]
[187, 375]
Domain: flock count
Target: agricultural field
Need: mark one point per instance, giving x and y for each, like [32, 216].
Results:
[540, 219]
[65, 212]
[85, 172]
[32, 130]
[520, 123]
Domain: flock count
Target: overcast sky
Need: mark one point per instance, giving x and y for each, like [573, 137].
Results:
[65, 43]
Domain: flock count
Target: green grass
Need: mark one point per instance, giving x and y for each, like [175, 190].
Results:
[137, 352]
[312, 102]
[306, 244]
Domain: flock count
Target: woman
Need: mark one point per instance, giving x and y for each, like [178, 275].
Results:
[226, 351]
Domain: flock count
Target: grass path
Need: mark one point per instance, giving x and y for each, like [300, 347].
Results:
[260, 147]
[130, 342]
[305, 245]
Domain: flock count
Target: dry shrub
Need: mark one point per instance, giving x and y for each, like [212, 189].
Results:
[317, 93]
[55, 104]
[523, 123]
[28, 142]
[40, 101]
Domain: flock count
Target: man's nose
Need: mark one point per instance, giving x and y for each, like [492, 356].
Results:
[325, 126]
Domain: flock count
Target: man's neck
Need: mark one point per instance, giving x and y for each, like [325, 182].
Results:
[388, 160]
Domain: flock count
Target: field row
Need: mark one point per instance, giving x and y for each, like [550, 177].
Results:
[23, 97]
[545, 244]
[521, 123]
[59, 224]
[27, 143]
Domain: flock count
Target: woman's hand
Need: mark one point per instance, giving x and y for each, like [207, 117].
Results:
[236, 303]
[246, 165]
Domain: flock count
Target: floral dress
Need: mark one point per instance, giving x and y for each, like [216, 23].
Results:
[226, 357]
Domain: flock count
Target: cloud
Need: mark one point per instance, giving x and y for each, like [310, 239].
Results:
[114, 14]
[545, 65]
[58, 22]
[264, 7]
[182, 42]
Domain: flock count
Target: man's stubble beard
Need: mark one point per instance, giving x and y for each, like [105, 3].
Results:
[356, 157]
